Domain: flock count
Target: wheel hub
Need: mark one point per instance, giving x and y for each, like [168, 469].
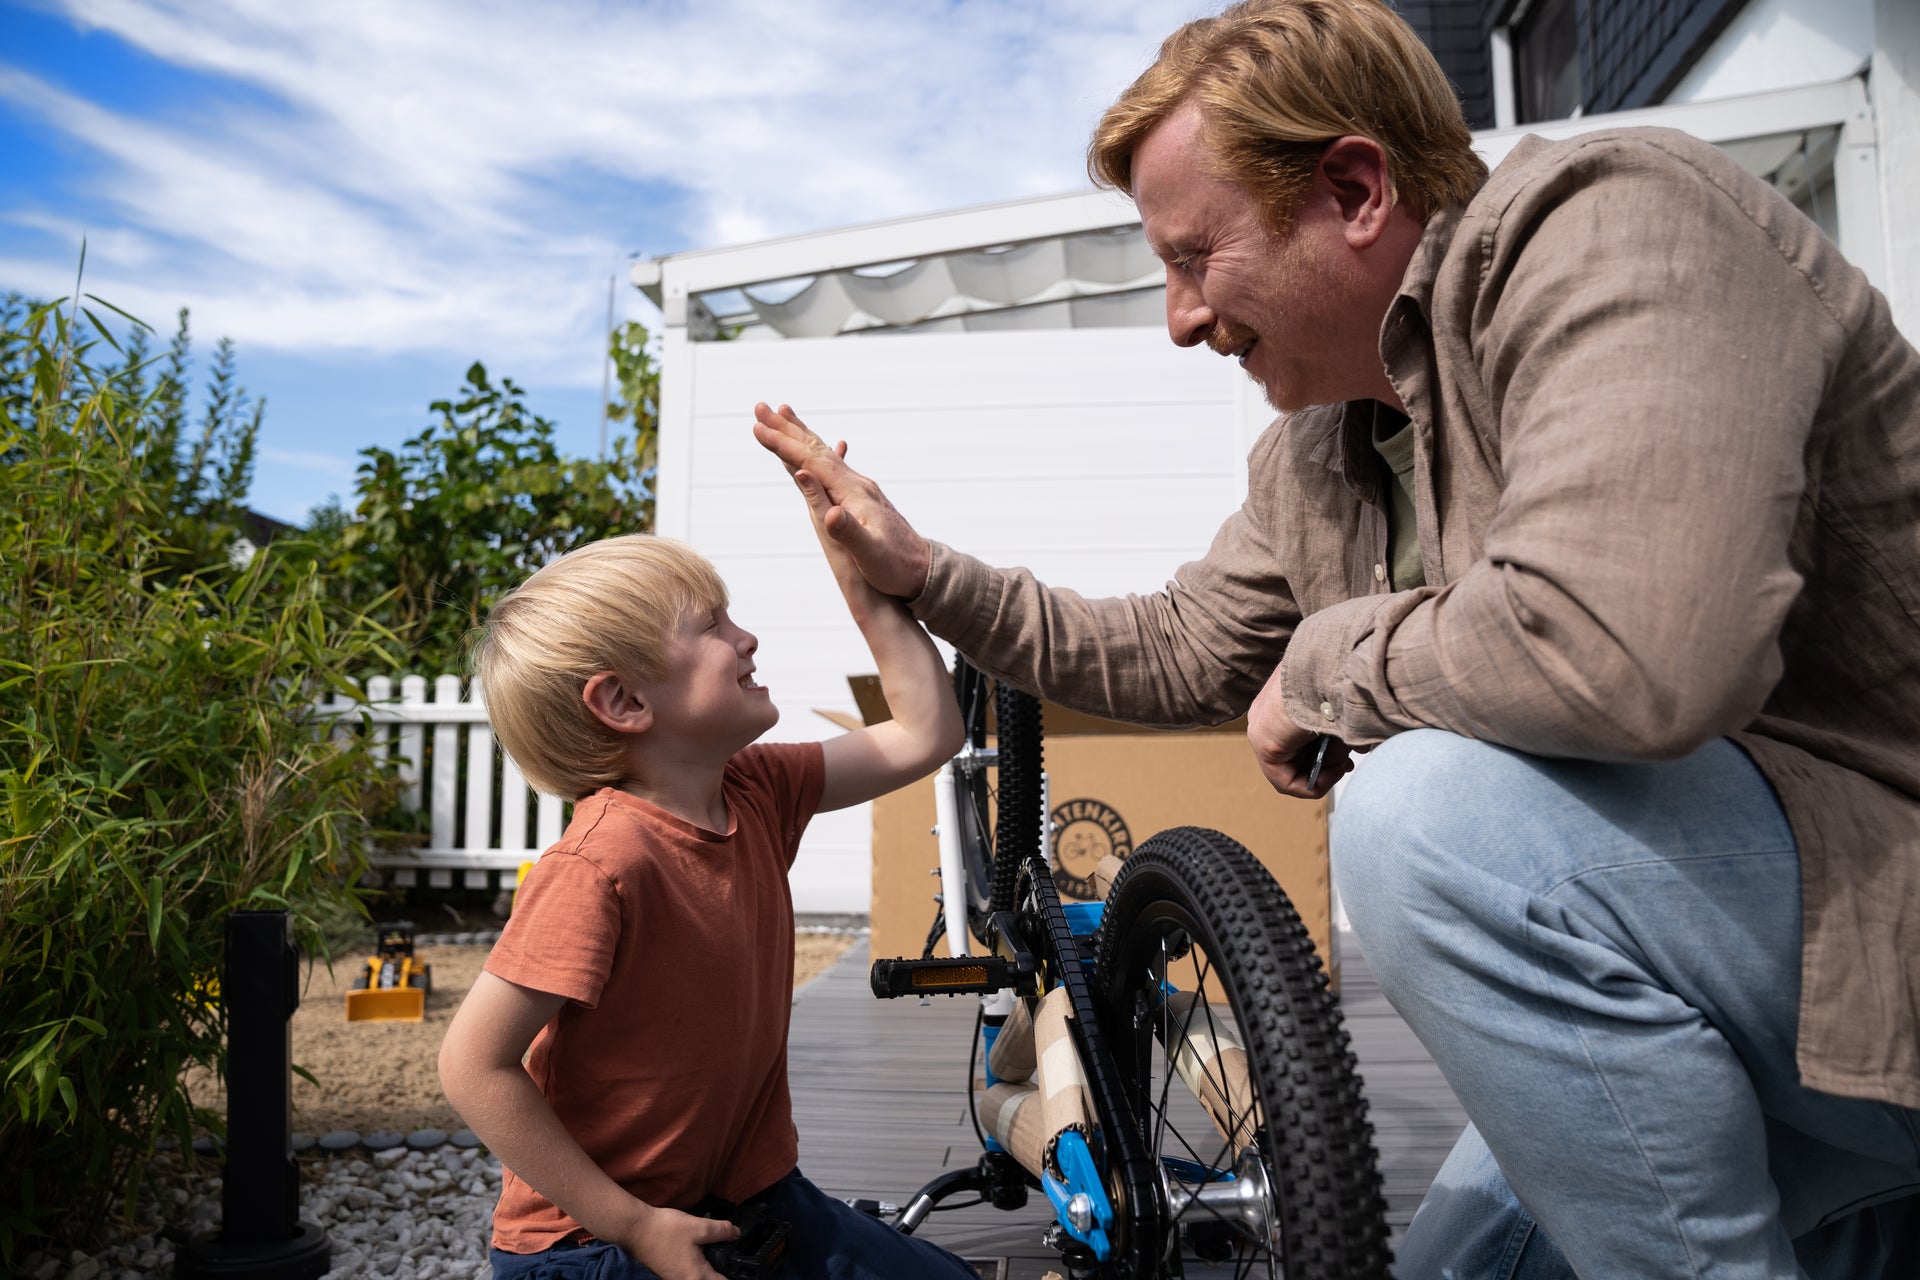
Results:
[1211, 1203]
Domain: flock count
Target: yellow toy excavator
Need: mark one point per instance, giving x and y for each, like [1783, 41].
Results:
[394, 987]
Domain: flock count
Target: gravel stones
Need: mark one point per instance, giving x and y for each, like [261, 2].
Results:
[464, 1138]
[420, 1214]
[339, 1140]
[477, 938]
[381, 1139]
[426, 1139]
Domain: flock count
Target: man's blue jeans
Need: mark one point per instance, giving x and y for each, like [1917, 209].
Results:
[1604, 959]
[827, 1238]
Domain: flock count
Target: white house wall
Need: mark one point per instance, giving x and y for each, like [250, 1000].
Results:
[1774, 45]
[1099, 458]
[1782, 44]
[1895, 79]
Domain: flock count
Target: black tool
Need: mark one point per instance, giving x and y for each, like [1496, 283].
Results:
[1319, 758]
[759, 1251]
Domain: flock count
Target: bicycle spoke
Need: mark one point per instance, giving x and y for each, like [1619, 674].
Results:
[1193, 1155]
[1185, 1040]
[1168, 1039]
[1248, 1248]
[1230, 1147]
[1233, 1122]
[1158, 985]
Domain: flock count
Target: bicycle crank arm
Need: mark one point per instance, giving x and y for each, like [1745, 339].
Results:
[1079, 1201]
[967, 975]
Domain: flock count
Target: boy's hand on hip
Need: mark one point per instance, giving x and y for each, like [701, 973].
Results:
[668, 1243]
[849, 506]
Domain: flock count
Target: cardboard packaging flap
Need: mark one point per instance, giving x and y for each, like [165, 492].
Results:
[1110, 786]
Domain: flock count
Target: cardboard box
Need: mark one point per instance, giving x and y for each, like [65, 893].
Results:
[1111, 786]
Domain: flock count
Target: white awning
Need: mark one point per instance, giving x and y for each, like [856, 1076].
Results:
[1080, 260]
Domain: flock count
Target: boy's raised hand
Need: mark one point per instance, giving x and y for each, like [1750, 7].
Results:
[850, 507]
[667, 1242]
[876, 558]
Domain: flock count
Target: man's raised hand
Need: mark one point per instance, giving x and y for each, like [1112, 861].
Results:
[850, 507]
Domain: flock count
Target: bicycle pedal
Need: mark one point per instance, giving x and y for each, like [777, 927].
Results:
[966, 975]
[881, 1209]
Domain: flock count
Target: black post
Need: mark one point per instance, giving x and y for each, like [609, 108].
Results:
[260, 1234]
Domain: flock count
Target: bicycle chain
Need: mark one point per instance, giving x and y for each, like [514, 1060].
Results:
[1124, 1149]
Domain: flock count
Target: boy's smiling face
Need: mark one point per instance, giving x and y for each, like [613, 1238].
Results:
[709, 695]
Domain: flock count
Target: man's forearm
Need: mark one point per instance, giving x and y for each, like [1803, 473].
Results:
[1195, 653]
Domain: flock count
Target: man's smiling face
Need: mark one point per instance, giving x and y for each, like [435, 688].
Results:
[1283, 305]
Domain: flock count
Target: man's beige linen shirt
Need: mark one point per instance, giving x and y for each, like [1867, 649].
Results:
[1667, 483]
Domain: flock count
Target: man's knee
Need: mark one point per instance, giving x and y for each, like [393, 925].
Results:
[1434, 841]
[1408, 813]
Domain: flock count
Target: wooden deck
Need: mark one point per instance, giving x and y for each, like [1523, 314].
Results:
[879, 1096]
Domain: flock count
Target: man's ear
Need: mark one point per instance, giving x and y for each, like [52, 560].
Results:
[615, 706]
[1353, 170]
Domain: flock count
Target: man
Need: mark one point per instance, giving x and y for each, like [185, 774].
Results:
[1605, 538]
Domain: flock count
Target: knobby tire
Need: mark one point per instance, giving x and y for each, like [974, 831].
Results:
[1190, 890]
[1017, 819]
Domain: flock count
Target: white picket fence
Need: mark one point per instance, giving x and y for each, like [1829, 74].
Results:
[484, 820]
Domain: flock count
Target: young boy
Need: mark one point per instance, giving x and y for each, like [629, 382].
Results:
[649, 960]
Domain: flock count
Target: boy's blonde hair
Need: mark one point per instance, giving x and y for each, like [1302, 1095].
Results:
[607, 606]
[1277, 80]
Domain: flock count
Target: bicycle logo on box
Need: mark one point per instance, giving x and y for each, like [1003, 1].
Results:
[1084, 832]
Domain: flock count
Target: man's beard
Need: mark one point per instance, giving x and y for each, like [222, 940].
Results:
[1230, 340]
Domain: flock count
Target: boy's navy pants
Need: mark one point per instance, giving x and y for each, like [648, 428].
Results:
[828, 1238]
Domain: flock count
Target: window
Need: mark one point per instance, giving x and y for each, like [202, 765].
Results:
[1546, 54]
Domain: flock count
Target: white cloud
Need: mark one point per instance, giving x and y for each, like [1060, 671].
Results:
[456, 177]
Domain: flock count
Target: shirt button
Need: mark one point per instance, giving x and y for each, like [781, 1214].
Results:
[1326, 709]
[1379, 573]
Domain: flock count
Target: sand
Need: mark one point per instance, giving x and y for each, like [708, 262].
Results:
[383, 1075]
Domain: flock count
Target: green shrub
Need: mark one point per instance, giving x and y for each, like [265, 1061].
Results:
[461, 513]
[159, 766]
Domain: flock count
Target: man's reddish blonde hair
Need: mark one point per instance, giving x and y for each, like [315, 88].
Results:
[1277, 80]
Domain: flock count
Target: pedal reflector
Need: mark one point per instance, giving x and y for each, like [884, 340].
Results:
[980, 975]
[958, 976]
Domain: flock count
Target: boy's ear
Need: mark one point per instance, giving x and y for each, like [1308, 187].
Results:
[615, 706]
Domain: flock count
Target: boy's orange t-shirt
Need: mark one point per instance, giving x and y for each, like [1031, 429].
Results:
[674, 947]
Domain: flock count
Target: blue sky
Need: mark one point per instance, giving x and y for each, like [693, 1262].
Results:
[367, 197]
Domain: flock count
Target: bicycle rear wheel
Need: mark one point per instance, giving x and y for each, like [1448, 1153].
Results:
[972, 690]
[1015, 821]
[1237, 1067]
[1020, 818]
